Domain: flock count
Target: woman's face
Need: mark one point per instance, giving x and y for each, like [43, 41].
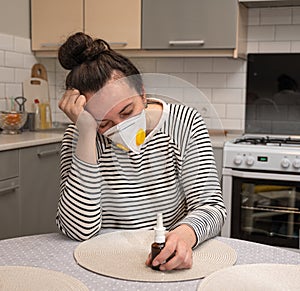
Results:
[125, 109]
[113, 104]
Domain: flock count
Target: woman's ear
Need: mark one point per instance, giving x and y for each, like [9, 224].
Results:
[144, 97]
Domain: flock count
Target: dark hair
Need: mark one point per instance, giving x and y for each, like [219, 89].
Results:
[92, 63]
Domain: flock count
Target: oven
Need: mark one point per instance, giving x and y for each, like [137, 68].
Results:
[261, 189]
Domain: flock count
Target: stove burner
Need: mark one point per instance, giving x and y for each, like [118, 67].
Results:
[266, 140]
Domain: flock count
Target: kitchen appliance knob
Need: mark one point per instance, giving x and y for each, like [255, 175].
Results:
[250, 161]
[285, 163]
[296, 164]
[238, 159]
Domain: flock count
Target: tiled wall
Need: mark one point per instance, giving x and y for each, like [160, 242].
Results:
[222, 80]
[16, 61]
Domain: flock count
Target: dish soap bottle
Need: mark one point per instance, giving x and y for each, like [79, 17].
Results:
[159, 239]
[37, 117]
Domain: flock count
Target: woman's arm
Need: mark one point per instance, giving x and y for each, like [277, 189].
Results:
[79, 210]
[199, 178]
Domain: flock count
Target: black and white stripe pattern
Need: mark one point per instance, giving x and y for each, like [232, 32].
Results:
[175, 174]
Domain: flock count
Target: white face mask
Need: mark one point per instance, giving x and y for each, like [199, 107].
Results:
[129, 134]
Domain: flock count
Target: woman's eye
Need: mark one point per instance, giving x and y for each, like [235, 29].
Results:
[126, 114]
[103, 124]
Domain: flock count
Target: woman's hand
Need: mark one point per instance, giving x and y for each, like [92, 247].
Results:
[178, 242]
[72, 104]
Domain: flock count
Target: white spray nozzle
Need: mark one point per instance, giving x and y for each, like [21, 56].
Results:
[159, 229]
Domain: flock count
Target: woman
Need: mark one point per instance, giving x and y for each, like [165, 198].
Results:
[134, 156]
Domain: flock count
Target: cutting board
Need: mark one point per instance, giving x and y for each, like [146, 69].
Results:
[36, 87]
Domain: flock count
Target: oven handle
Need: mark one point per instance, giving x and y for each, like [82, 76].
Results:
[260, 175]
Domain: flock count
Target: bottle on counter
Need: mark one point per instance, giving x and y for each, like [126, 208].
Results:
[37, 117]
[159, 239]
[45, 116]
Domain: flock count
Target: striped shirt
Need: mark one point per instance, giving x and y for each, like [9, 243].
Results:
[175, 173]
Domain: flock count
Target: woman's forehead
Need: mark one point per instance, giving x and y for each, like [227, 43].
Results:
[115, 94]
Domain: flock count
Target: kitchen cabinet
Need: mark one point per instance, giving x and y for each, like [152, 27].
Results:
[39, 188]
[152, 28]
[29, 190]
[53, 21]
[9, 194]
[269, 3]
[193, 25]
[118, 22]
[218, 152]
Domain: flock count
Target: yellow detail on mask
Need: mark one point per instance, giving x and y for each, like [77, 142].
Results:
[122, 147]
[140, 137]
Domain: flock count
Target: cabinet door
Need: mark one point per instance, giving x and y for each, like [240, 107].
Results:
[190, 24]
[52, 21]
[9, 208]
[39, 188]
[117, 22]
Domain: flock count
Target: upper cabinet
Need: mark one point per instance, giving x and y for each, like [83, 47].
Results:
[144, 27]
[270, 3]
[118, 22]
[203, 27]
[53, 21]
[189, 24]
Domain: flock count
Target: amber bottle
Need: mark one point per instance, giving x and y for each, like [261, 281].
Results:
[159, 239]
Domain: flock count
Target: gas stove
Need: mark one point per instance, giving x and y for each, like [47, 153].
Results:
[262, 152]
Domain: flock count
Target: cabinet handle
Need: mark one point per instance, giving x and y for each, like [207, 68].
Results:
[50, 45]
[8, 189]
[118, 43]
[42, 154]
[186, 42]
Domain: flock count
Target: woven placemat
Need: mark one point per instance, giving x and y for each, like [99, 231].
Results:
[258, 277]
[123, 254]
[19, 278]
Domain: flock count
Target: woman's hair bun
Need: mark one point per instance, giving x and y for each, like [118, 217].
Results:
[80, 48]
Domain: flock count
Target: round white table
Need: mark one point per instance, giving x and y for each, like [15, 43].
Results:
[55, 251]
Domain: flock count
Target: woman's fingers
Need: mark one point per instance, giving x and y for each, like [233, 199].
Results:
[176, 254]
[72, 104]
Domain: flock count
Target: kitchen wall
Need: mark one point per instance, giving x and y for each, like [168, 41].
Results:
[222, 80]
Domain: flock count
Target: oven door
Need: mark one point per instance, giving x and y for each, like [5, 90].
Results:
[262, 207]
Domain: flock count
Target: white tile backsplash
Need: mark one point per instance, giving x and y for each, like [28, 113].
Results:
[22, 45]
[13, 89]
[296, 15]
[276, 16]
[7, 75]
[212, 80]
[287, 32]
[6, 42]
[274, 46]
[198, 65]
[14, 60]
[167, 65]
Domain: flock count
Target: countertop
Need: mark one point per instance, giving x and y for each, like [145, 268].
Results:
[55, 252]
[32, 138]
[29, 138]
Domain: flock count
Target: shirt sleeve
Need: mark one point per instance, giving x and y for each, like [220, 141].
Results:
[79, 211]
[200, 183]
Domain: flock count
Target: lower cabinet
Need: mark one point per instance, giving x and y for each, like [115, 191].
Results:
[39, 188]
[29, 190]
[9, 208]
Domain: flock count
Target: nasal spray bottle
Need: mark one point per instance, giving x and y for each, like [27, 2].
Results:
[159, 239]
